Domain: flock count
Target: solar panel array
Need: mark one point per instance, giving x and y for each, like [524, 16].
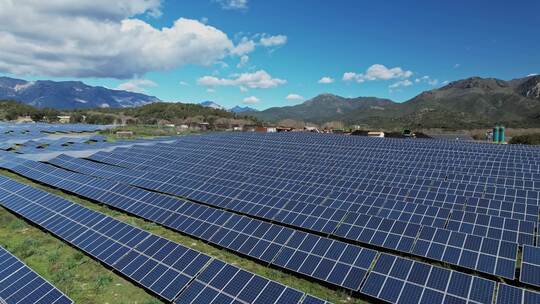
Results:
[19, 284]
[399, 280]
[333, 208]
[321, 258]
[530, 265]
[490, 256]
[163, 267]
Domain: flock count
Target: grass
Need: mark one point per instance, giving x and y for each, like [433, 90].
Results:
[90, 282]
[81, 278]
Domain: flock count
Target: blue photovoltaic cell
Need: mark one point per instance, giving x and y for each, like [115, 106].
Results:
[530, 265]
[19, 284]
[399, 280]
[507, 294]
[464, 204]
[164, 267]
[221, 283]
[328, 260]
[469, 251]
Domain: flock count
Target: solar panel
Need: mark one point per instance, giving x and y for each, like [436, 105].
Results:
[398, 280]
[222, 283]
[19, 284]
[272, 196]
[487, 255]
[507, 294]
[530, 265]
[470, 251]
[331, 261]
[162, 266]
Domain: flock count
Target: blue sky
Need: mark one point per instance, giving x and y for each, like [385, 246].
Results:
[390, 49]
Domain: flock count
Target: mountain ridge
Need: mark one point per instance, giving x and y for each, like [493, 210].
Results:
[470, 102]
[69, 94]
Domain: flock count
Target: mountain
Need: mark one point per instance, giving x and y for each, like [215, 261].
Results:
[236, 109]
[211, 104]
[323, 108]
[239, 109]
[468, 103]
[68, 94]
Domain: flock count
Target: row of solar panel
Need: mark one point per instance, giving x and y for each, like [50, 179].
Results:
[228, 230]
[484, 176]
[331, 261]
[336, 151]
[445, 193]
[395, 144]
[514, 206]
[146, 258]
[19, 284]
[164, 267]
[239, 159]
[482, 225]
[303, 162]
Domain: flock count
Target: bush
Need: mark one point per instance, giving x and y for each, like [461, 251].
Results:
[528, 139]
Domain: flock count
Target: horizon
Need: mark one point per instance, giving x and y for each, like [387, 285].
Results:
[234, 53]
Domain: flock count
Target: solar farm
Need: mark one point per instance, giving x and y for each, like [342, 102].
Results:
[334, 218]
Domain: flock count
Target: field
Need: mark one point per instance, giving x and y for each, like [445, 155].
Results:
[87, 281]
[345, 219]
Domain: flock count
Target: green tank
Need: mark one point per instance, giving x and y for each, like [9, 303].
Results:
[496, 134]
[501, 134]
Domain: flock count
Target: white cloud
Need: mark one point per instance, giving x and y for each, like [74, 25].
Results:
[101, 38]
[256, 80]
[183, 83]
[251, 100]
[326, 79]
[233, 4]
[532, 74]
[445, 82]
[427, 79]
[349, 76]
[243, 61]
[273, 41]
[377, 72]
[457, 65]
[294, 97]
[245, 46]
[401, 83]
[136, 85]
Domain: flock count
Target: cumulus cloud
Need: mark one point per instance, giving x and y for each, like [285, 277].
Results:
[256, 80]
[294, 97]
[273, 41]
[427, 79]
[377, 72]
[233, 4]
[251, 100]
[243, 61]
[326, 79]
[100, 38]
[245, 46]
[136, 85]
[401, 83]
[348, 76]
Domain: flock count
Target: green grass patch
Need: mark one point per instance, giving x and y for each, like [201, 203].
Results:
[102, 284]
[80, 277]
